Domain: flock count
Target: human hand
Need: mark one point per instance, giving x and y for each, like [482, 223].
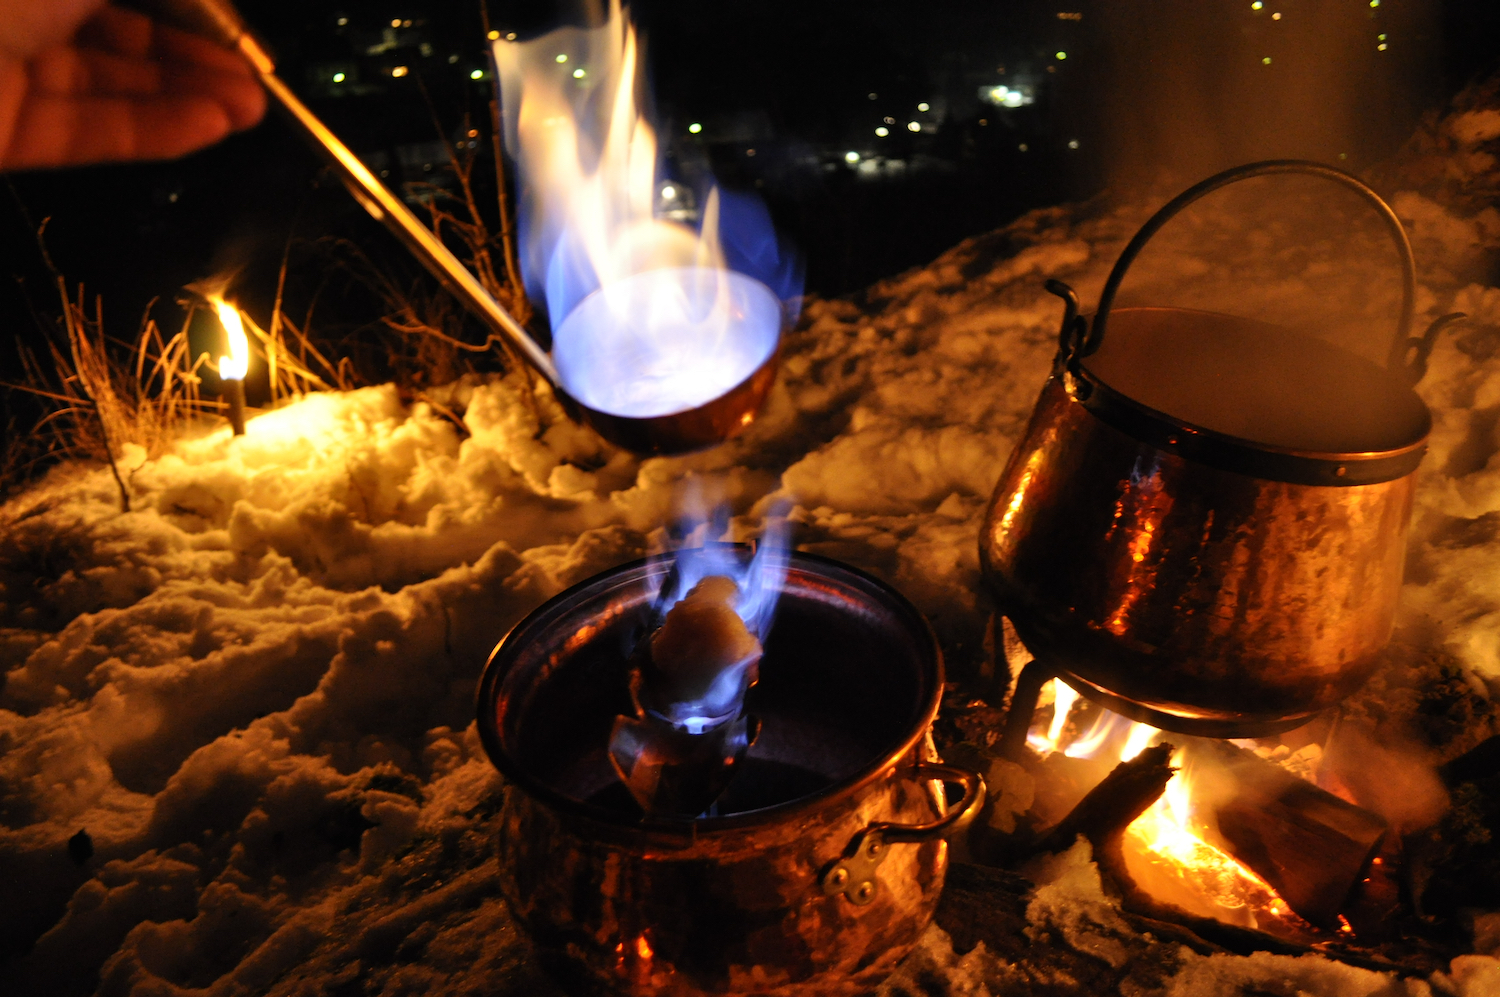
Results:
[83, 82]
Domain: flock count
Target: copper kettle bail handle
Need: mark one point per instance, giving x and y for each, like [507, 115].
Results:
[1271, 167]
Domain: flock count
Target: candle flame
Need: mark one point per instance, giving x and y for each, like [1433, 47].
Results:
[234, 366]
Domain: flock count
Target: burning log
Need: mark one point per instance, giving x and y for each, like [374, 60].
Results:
[1110, 807]
[1311, 846]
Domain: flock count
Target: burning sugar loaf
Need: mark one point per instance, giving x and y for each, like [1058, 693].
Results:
[703, 659]
[689, 678]
[651, 317]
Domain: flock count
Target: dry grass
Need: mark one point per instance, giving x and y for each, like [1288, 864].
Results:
[99, 394]
[93, 404]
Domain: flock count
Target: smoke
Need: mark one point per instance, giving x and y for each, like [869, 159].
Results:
[1189, 88]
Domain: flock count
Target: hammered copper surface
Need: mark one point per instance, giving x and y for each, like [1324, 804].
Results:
[682, 432]
[730, 913]
[737, 903]
[1218, 602]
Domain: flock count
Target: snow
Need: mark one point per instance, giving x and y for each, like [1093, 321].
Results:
[254, 691]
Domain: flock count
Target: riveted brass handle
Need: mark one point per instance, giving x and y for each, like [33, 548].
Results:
[853, 874]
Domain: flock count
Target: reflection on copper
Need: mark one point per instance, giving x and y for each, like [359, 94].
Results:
[1143, 506]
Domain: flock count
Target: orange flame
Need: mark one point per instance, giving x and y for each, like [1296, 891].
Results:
[234, 366]
[1167, 848]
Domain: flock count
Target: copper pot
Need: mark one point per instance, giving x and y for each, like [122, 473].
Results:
[825, 860]
[1189, 547]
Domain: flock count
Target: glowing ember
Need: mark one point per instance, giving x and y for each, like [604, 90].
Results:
[649, 316]
[234, 366]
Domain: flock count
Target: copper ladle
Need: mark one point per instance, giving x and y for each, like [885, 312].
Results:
[674, 432]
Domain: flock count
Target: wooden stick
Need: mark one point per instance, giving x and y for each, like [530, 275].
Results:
[1110, 807]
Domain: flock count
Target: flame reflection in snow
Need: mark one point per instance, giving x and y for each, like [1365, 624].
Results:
[234, 366]
[649, 317]
[1166, 848]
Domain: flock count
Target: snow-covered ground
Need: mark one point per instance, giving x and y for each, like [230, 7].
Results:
[254, 691]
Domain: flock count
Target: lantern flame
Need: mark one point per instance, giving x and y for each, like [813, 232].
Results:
[234, 366]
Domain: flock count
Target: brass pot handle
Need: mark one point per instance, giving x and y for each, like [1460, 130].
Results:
[853, 874]
[1272, 167]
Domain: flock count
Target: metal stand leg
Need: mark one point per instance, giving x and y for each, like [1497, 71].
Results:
[1022, 706]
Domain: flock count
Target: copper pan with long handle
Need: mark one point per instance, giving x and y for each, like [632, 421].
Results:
[673, 432]
[1204, 525]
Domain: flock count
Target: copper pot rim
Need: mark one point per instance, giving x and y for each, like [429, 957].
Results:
[855, 786]
[690, 430]
[1238, 454]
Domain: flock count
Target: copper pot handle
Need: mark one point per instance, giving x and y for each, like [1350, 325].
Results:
[853, 874]
[1087, 342]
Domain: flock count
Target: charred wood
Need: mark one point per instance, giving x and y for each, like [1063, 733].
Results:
[1311, 846]
[1110, 807]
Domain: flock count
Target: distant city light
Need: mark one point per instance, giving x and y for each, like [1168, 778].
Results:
[510, 36]
[493, 35]
[695, 128]
[1374, 3]
[1072, 143]
[1381, 47]
[452, 59]
[1061, 56]
[669, 193]
[913, 126]
[476, 74]
[579, 73]
[924, 106]
[338, 77]
[343, 21]
[1276, 16]
[1004, 96]
[406, 24]
[1024, 147]
[1257, 5]
[399, 72]
[874, 96]
[1064, 15]
[562, 58]
[882, 131]
[890, 120]
[851, 157]
[1266, 61]
[1381, 36]
[397, 22]
[749, 152]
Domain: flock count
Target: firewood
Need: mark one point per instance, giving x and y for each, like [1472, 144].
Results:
[1110, 807]
[1311, 846]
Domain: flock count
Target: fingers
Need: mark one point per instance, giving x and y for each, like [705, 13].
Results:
[114, 29]
[57, 130]
[75, 73]
[134, 35]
